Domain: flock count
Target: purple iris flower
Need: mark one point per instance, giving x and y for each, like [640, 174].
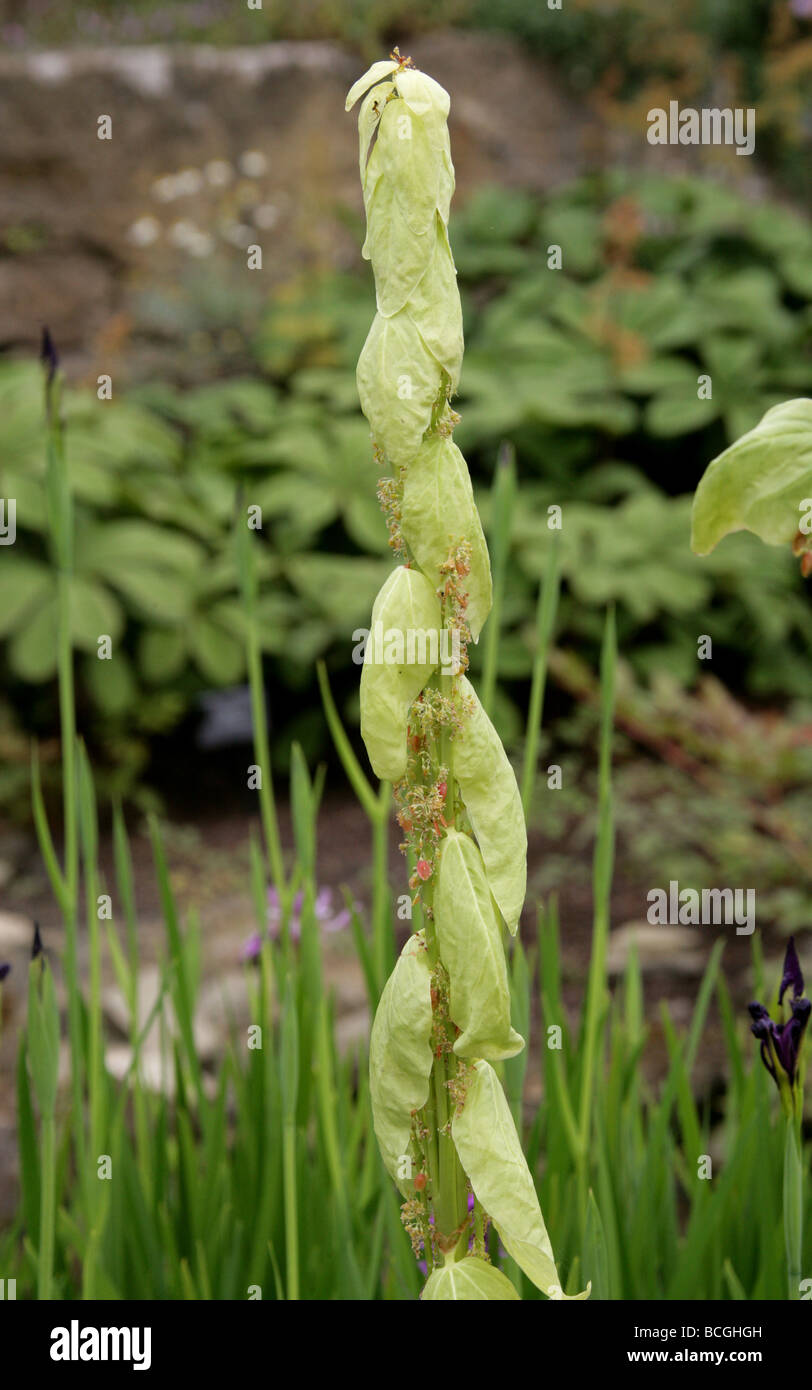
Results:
[781, 1042]
[5, 969]
[327, 917]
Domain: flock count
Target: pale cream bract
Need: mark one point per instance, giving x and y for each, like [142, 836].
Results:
[400, 1056]
[762, 483]
[470, 943]
[446, 1008]
[492, 800]
[468, 1280]
[405, 611]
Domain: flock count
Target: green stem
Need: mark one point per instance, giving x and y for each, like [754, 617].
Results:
[545, 617]
[382, 944]
[793, 1208]
[262, 754]
[47, 1209]
[602, 880]
[291, 1211]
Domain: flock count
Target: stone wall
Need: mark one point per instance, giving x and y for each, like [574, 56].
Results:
[213, 150]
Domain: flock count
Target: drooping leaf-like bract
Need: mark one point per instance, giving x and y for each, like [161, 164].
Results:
[762, 483]
[492, 800]
[468, 1280]
[443, 1124]
[469, 939]
[491, 1155]
[397, 663]
[400, 1056]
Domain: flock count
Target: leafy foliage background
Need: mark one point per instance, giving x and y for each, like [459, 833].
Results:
[589, 371]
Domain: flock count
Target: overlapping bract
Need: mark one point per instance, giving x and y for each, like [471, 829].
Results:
[408, 368]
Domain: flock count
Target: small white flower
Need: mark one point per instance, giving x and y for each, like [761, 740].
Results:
[145, 231]
[165, 188]
[238, 234]
[188, 182]
[253, 163]
[219, 173]
[183, 234]
[266, 215]
[201, 245]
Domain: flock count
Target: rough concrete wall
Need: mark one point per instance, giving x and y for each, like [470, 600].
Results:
[264, 152]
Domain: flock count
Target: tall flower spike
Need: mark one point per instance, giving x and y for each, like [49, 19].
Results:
[443, 1124]
[782, 1042]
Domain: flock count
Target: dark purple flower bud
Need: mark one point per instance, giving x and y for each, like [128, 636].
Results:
[5, 969]
[762, 1028]
[49, 356]
[36, 944]
[789, 1038]
[781, 1042]
[792, 978]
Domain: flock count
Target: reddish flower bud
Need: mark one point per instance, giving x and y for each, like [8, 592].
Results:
[423, 869]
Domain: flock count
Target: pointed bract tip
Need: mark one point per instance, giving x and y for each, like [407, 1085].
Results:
[48, 353]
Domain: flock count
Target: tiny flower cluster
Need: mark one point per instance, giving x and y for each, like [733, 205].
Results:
[327, 918]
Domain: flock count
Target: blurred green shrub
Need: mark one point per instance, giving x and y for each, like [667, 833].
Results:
[591, 371]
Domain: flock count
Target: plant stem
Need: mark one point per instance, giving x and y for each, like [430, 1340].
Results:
[793, 1207]
[291, 1225]
[602, 880]
[47, 1210]
[545, 618]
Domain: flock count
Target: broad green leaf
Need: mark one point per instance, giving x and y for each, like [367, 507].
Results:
[24, 583]
[376, 73]
[669, 414]
[341, 587]
[468, 1279]
[219, 656]
[491, 1154]
[110, 683]
[32, 649]
[470, 943]
[398, 382]
[94, 613]
[400, 258]
[105, 546]
[761, 483]
[405, 626]
[438, 510]
[400, 1055]
[157, 595]
[435, 306]
[161, 653]
[488, 786]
